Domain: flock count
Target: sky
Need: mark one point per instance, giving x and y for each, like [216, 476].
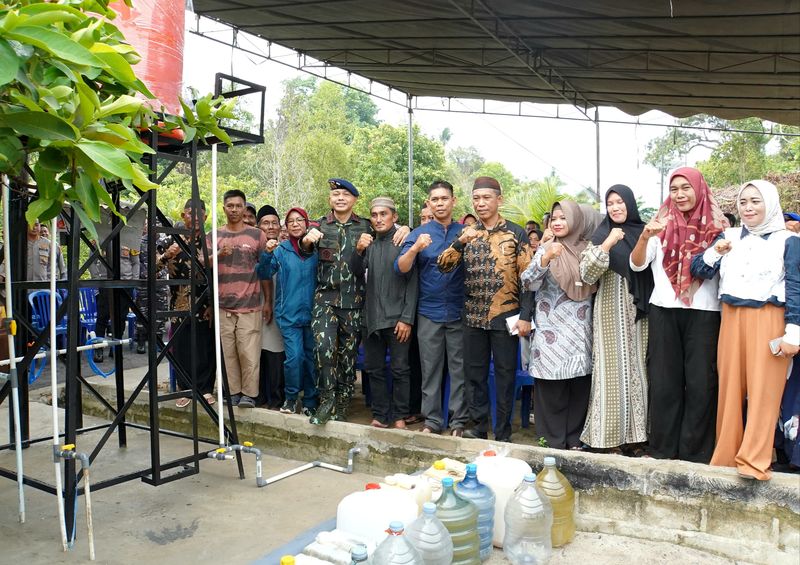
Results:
[530, 147]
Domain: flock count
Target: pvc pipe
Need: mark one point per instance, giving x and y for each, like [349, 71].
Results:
[87, 347]
[12, 361]
[351, 453]
[87, 494]
[54, 388]
[68, 452]
[215, 294]
[223, 454]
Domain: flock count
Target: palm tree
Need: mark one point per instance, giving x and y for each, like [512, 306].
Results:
[534, 200]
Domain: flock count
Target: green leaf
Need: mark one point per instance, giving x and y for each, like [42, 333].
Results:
[140, 179]
[56, 43]
[9, 63]
[20, 98]
[40, 125]
[107, 157]
[46, 182]
[118, 67]
[43, 209]
[188, 114]
[125, 104]
[12, 156]
[53, 160]
[88, 196]
[52, 17]
[85, 220]
[34, 9]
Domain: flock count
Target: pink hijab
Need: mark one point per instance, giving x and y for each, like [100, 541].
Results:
[685, 237]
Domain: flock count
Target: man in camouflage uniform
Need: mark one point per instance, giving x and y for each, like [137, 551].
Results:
[339, 298]
[162, 293]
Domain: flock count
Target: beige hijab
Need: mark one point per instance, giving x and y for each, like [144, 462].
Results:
[566, 268]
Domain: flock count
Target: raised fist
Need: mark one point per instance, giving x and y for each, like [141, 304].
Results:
[423, 241]
[363, 242]
[271, 245]
[652, 228]
[556, 249]
[547, 235]
[313, 236]
[723, 246]
[468, 234]
[614, 237]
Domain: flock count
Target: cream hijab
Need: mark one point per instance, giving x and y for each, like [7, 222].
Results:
[773, 219]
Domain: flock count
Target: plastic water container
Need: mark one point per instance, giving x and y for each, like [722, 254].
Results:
[359, 555]
[503, 475]
[483, 497]
[460, 517]
[343, 540]
[529, 519]
[327, 553]
[416, 487]
[303, 559]
[364, 514]
[558, 491]
[429, 536]
[396, 549]
[440, 469]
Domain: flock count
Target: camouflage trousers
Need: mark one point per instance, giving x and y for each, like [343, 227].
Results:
[142, 301]
[336, 332]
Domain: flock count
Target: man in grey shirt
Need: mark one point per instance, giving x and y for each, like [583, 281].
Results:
[389, 312]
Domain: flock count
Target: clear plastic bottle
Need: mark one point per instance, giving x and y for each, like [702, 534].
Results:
[429, 536]
[359, 555]
[460, 517]
[558, 491]
[396, 549]
[529, 520]
[483, 497]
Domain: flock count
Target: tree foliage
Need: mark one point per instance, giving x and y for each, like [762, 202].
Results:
[72, 108]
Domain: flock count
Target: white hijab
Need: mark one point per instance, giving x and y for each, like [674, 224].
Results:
[773, 219]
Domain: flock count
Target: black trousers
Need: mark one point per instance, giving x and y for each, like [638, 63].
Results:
[560, 408]
[271, 384]
[479, 346]
[415, 381]
[389, 403]
[203, 353]
[682, 368]
[105, 317]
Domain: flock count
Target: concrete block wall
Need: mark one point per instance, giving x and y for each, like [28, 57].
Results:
[707, 508]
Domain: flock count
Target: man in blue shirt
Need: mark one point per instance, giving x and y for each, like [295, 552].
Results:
[441, 300]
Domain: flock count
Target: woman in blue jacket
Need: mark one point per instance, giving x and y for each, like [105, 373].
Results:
[296, 278]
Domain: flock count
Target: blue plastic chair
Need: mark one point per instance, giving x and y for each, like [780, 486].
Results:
[88, 312]
[39, 301]
[523, 386]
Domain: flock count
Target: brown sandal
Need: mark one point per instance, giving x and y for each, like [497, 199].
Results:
[378, 424]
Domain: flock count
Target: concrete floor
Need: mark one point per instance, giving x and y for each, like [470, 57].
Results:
[214, 515]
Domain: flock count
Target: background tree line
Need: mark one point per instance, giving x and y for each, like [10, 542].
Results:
[324, 130]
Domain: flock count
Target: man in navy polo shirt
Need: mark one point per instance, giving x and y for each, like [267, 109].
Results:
[441, 300]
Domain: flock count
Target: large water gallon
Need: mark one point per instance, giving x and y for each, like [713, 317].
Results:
[364, 514]
[529, 519]
[440, 469]
[359, 555]
[460, 517]
[416, 487]
[483, 497]
[396, 549]
[503, 475]
[155, 29]
[558, 491]
[429, 536]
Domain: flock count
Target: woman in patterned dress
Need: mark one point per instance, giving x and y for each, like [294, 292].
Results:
[561, 351]
[617, 416]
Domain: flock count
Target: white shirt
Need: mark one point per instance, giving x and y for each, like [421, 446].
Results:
[664, 295]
